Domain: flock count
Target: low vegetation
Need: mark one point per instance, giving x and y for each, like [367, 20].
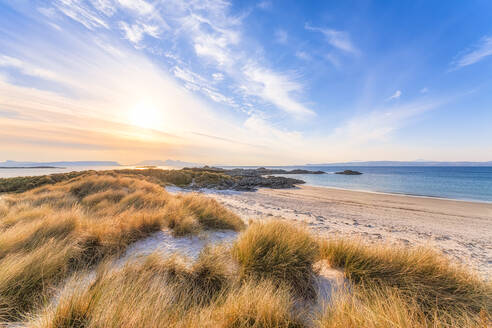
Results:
[52, 231]
[383, 307]
[21, 184]
[278, 251]
[159, 292]
[182, 178]
[58, 245]
[194, 178]
[421, 274]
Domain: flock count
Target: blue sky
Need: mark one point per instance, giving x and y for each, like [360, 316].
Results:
[245, 82]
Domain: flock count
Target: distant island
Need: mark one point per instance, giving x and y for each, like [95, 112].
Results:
[404, 163]
[15, 164]
[31, 167]
[349, 172]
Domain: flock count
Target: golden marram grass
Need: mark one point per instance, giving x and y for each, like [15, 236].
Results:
[53, 235]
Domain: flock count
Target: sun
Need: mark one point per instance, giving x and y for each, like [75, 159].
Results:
[145, 115]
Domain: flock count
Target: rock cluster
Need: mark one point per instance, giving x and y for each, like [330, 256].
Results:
[349, 172]
[250, 179]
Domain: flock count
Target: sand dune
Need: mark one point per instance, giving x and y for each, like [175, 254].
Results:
[463, 230]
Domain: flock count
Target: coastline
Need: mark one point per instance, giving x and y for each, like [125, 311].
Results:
[460, 229]
[402, 194]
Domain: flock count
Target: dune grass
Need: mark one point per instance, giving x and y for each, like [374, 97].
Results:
[215, 291]
[49, 232]
[159, 292]
[434, 285]
[384, 307]
[278, 251]
[183, 177]
[21, 184]
[64, 230]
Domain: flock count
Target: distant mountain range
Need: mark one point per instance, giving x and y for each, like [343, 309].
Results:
[168, 162]
[181, 164]
[405, 163]
[58, 164]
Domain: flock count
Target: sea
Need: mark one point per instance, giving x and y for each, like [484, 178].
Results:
[454, 182]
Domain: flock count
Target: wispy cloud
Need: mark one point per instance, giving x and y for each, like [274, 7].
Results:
[217, 37]
[272, 135]
[332, 58]
[395, 95]
[82, 13]
[265, 4]
[303, 55]
[195, 82]
[218, 76]
[29, 69]
[274, 88]
[281, 36]
[474, 54]
[424, 90]
[338, 39]
[136, 32]
[105, 6]
[139, 6]
[379, 124]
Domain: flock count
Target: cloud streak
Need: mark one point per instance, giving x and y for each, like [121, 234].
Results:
[136, 32]
[475, 54]
[394, 96]
[379, 124]
[337, 39]
[274, 88]
[27, 68]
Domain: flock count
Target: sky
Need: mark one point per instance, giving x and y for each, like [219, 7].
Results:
[245, 82]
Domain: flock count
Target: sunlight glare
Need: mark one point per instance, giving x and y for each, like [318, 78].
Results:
[145, 115]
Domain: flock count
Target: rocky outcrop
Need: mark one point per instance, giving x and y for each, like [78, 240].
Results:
[247, 179]
[349, 172]
[252, 183]
[253, 172]
[247, 183]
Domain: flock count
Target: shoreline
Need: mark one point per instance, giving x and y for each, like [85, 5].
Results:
[401, 194]
[460, 229]
[43, 171]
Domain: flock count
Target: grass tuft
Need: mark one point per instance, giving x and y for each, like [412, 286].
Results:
[421, 274]
[280, 252]
[385, 307]
[158, 292]
[262, 304]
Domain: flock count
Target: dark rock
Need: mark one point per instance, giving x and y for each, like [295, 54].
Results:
[243, 179]
[298, 171]
[263, 171]
[349, 172]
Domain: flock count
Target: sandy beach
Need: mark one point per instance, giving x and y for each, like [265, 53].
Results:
[460, 229]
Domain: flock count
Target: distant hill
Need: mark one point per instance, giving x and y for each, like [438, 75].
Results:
[169, 162]
[405, 163]
[58, 164]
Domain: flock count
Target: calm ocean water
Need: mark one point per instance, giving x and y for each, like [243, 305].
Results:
[465, 183]
[10, 173]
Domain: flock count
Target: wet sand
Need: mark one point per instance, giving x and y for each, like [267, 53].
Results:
[460, 229]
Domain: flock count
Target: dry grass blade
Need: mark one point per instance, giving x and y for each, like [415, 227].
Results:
[49, 232]
[278, 251]
[422, 274]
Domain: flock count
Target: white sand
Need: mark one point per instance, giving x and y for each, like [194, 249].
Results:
[462, 230]
[164, 243]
